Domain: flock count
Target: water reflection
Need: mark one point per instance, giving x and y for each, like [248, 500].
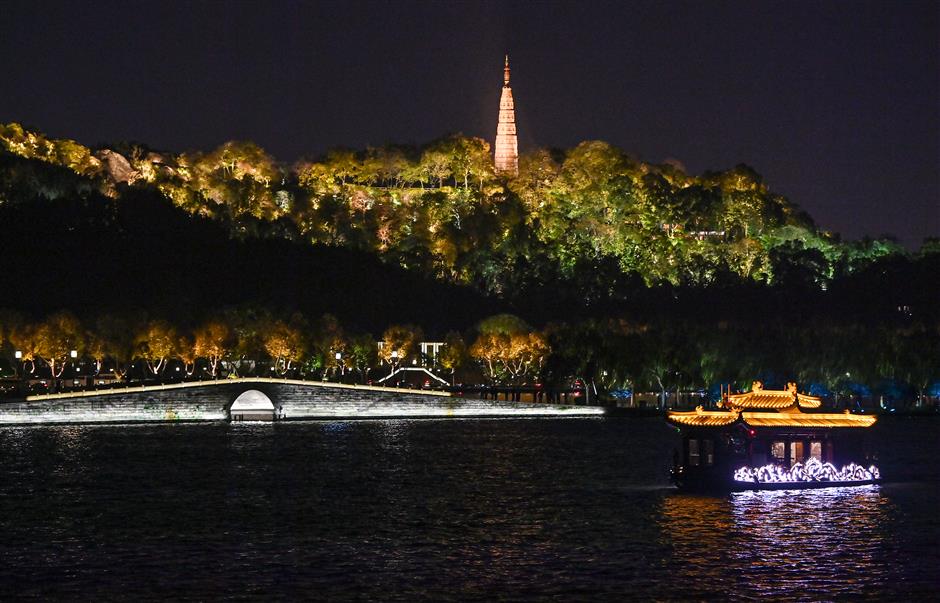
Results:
[415, 510]
[832, 541]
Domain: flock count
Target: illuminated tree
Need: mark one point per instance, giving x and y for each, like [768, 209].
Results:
[328, 340]
[534, 184]
[34, 145]
[53, 340]
[238, 176]
[111, 338]
[285, 345]
[156, 344]
[213, 341]
[454, 353]
[362, 354]
[401, 341]
[186, 352]
[249, 327]
[23, 338]
[436, 163]
[509, 349]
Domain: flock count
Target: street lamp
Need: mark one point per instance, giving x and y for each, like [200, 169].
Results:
[339, 361]
[18, 354]
[73, 354]
[394, 361]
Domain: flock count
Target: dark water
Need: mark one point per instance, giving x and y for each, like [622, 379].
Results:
[565, 509]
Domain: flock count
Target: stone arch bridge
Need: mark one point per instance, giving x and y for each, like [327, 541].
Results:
[252, 399]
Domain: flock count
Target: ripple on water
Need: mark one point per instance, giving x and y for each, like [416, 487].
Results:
[443, 510]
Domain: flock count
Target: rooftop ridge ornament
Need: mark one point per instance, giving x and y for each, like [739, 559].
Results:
[507, 147]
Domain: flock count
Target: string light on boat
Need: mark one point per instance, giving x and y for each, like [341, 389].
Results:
[813, 471]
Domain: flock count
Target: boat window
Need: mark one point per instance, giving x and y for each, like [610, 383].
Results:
[815, 450]
[709, 452]
[693, 453]
[779, 451]
[796, 452]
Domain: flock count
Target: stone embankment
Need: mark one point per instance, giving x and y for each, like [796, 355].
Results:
[212, 401]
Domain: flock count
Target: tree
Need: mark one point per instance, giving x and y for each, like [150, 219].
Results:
[667, 359]
[10, 322]
[249, 327]
[156, 344]
[54, 339]
[285, 345]
[112, 338]
[187, 354]
[238, 176]
[362, 354]
[454, 353]
[508, 348]
[213, 341]
[23, 339]
[400, 342]
[329, 339]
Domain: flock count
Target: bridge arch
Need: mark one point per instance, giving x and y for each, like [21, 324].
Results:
[252, 405]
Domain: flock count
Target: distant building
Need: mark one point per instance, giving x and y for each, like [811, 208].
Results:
[429, 352]
[507, 146]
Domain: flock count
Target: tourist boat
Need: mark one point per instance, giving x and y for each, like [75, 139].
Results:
[762, 440]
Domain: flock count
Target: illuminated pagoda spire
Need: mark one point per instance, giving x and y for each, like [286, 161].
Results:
[507, 147]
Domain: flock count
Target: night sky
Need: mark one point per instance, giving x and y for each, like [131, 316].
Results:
[835, 103]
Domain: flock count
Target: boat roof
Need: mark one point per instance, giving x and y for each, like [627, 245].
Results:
[769, 408]
[792, 417]
[759, 397]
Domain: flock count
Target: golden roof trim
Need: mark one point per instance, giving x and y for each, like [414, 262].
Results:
[785, 417]
[703, 418]
[759, 397]
[800, 419]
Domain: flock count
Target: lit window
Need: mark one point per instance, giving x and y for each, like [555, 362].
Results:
[796, 452]
[693, 453]
[815, 450]
[779, 451]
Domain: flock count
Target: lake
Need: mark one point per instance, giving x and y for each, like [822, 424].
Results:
[445, 510]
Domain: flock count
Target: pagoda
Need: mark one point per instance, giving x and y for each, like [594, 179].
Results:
[507, 147]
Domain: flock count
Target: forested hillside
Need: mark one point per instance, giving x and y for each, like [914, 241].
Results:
[641, 273]
[591, 214]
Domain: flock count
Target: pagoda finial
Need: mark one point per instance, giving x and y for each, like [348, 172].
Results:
[506, 72]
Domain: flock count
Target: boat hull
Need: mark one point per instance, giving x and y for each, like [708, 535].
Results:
[719, 484]
[745, 486]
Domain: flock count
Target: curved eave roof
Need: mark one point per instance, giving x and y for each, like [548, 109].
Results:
[703, 418]
[772, 399]
[808, 401]
[797, 419]
[788, 417]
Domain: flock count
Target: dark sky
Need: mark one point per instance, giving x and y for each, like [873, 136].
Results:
[835, 103]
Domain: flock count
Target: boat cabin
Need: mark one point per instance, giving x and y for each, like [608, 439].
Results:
[764, 437]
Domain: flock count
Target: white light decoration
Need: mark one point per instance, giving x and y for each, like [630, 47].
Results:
[813, 471]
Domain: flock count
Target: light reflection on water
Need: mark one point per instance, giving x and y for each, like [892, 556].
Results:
[834, 542]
